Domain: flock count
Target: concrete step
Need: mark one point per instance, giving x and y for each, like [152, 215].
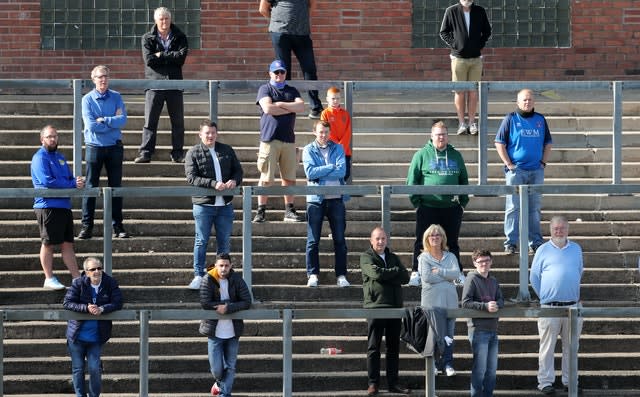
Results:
[309, 382]
[363, 155]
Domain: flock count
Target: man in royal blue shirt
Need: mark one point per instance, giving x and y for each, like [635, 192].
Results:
[49, 170]
[104, 115]
[523, 143]
[556, 273]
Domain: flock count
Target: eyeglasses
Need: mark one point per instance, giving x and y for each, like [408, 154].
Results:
[94, 269]
[106, 76]
[279, 72]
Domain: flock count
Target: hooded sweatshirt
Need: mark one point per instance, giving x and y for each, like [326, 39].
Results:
[430, 166]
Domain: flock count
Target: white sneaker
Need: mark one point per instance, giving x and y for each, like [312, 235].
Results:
[312, 281]
[53, 283]
[473, 129]
[414, 281]
[450, 371]
[195, 283]
[342, 282]
[462, 129]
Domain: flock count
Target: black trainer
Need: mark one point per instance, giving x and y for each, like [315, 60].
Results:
[86, 232]
[119, 232]
[261, 217]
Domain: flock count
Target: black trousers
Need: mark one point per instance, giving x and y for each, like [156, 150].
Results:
[449, 218]
[390, 328]
[153, 103]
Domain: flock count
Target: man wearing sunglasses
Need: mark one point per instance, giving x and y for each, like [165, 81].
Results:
[278, 103]
[95, 293]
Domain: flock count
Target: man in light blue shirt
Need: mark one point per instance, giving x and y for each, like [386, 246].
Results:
[556, 272]
[104, 115]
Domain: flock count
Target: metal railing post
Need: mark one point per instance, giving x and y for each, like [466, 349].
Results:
[144, 352]
[523, 220]
[287, 352]
[385, 208]
[247, 265]
[1, 353]
[483, 96]
[574, 338]
[616, 148]
[107, 202]
[348, 105]
[77, 127]
[213, 100]
[430, 377]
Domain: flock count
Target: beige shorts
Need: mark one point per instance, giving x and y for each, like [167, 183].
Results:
[277, 154]
[466, 69]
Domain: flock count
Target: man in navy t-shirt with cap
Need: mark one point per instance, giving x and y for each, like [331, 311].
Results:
[278, 104]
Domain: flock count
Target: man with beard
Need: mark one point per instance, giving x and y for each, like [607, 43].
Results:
[556, 272]
[49, 170]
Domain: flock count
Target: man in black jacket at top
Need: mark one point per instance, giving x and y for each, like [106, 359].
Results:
[164, 51]
[466, 28]
[382, 278]
[211, 164]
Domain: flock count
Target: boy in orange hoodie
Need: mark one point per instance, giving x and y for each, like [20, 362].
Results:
[340, 122]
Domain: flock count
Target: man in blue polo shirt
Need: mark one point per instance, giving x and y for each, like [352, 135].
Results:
[523, 142]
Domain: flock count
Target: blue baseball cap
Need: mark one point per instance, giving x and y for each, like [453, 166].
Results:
[277, 65]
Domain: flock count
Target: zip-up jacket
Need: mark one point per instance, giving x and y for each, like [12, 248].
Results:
[200, 172]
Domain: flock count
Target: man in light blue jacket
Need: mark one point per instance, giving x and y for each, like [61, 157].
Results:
[325, 165]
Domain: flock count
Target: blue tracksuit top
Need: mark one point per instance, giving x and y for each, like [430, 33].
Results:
[49, 170]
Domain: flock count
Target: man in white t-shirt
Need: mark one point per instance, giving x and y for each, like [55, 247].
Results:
[224, 291]
[211, 164]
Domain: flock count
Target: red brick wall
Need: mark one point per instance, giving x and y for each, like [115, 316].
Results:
[354, 40]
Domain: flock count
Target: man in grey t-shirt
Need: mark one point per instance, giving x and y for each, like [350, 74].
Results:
[290, 30]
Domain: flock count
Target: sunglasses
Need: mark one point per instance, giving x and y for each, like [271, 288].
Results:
[94, 269]
[280, 72]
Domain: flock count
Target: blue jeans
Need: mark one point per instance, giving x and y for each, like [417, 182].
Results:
[207, 216]
[335, 212]
[302, 46]
[484, 345]
[447, 356]
[512, 207]
[223, 354]
[111, 158]
[78, 350]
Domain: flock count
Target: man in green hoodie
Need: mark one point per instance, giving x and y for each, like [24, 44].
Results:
[437, 163]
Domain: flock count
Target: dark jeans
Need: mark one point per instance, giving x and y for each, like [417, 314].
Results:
[335, 212]
[390, 328]
[153, 102]
[449, 218]
[111, 158]
[302, 47]
[79, 350]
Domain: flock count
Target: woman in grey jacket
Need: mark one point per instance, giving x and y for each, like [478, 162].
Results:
[438, 269]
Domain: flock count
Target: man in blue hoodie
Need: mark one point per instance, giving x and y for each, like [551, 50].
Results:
[49, 170]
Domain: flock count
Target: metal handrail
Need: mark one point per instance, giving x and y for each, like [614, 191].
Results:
[288, 315]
